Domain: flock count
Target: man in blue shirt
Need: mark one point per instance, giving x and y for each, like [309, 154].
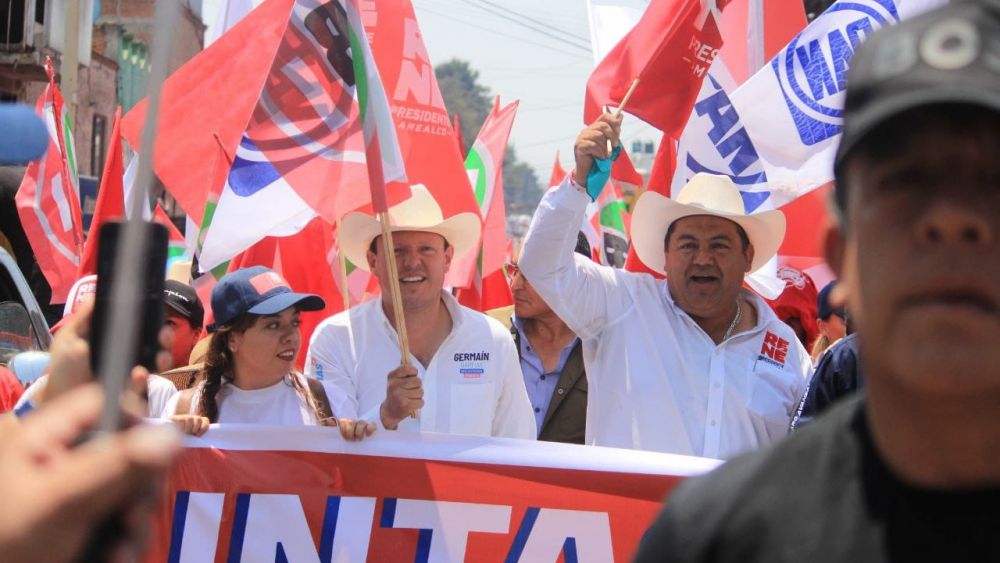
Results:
[551, 362]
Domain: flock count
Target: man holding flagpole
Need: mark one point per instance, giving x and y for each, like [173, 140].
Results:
[697, 365]
[463, 375]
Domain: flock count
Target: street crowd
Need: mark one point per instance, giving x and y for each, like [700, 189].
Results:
[899, 464]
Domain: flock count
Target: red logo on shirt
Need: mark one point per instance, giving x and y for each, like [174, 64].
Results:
[775, 348]
[266, 282]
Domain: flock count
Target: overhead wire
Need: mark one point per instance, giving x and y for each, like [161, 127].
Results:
[585, 40]
[585, 47]
[472, 24]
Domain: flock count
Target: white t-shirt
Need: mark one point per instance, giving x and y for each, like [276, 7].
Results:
[280, 404]
[160, 389]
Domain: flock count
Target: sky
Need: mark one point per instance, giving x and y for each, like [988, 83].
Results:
[535, 51]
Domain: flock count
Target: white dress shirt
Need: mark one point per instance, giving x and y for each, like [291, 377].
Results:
[472, 386]
[657, 380]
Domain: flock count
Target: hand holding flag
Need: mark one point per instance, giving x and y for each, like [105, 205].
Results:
[593, 143]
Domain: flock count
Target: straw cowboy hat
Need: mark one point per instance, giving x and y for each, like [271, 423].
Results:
[705, 194]
[418, 213]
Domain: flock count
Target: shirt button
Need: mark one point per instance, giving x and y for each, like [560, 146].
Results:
[717, 385]
[713, 423]
[543, 377]
[540, 410]
[560, 391]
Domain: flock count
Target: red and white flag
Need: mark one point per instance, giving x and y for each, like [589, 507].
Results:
[485, 169]
[110, 204]
[48, 200]
[669, 51]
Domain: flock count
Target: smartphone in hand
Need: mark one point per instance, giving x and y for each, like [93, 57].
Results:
[149, 306]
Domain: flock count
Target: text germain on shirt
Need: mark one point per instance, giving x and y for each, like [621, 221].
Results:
[471, 365]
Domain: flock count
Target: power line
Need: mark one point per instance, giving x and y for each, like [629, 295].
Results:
[471, 24]
[585, 40]
[542, 31]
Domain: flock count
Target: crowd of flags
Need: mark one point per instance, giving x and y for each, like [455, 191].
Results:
[300, 111]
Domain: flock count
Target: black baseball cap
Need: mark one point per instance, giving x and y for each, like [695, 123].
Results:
[182, 298]
[950, 55]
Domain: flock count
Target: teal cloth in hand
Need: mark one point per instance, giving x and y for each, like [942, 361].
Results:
[599, 173]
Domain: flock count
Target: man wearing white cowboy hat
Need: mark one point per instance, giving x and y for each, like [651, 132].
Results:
[464, 376]
[696, 366]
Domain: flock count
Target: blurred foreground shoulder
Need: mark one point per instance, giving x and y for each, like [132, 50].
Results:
[764, 506]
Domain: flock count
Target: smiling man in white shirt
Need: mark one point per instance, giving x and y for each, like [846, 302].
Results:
[464, 376]
[699, 366]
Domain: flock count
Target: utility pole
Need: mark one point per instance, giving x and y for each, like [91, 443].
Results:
[70, 66]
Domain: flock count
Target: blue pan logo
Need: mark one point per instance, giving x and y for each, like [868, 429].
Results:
[812, 70]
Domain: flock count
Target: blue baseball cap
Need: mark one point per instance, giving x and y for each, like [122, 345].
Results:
[823, 307]
[257, 291]
[25, 137]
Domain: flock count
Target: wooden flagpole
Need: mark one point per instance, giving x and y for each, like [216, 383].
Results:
[621, 106]
[345, 291]
[394, 295]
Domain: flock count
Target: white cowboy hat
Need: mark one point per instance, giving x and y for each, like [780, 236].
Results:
[705, 194]
[418, 213]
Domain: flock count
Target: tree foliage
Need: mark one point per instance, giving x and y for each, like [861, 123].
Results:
[471, 101]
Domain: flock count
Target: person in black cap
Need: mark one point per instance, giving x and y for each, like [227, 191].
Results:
[249, 374]
[908, 471]
[184, 315]
[830, 321]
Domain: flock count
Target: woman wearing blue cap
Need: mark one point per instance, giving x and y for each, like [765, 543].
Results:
[249, 374]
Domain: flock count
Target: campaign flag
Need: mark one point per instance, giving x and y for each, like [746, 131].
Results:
[484, 166]
[250, 492]
[256, 202]
[48, 199]
[274, 107]
[669, 51]
[110, 204]
[614, 222]
[776, 135]
[558, 173]
[457, 126]
[423, 126]
[296, 261]
[176, 245]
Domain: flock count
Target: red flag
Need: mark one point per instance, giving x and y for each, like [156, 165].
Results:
[659, 181]
[485, 167]
[457, 126]
[669, 51]
[282, 82]
[206, 104]
[48, 201]
[624, 171]
[295, 258]
[423, 126]
[558, 174]
[110, 199]
[174, 235]
[297, 262]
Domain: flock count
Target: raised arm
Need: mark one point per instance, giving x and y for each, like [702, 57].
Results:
[585, 295]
